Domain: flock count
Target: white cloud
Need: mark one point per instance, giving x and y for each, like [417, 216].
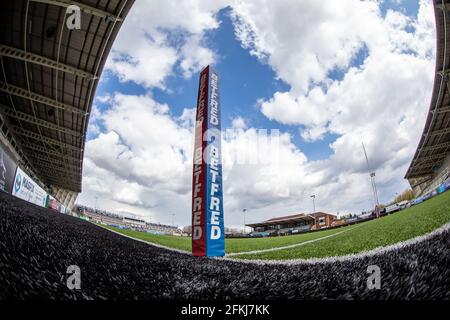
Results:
[148, 63]
[142, 161]
[303, 40]
[143, 144]
[384, 100]
[239, 123]
[195, 56]
[157, 35]
[103, 99]
[327, 39]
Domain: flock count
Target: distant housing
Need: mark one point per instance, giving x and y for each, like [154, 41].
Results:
[293, 224]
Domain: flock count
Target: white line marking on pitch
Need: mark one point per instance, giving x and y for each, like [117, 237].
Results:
[147, 242]
[370, 253]
[229, 254]
[289, 246]
[349, 257]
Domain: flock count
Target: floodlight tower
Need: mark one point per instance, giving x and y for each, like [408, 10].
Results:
[314, 202]
[244, 211]
[374, 186]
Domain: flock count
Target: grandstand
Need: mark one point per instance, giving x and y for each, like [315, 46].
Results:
[292, 224]
[47, 84]
[99, 216]
[121, 221]
[49, 74]
[430, 166]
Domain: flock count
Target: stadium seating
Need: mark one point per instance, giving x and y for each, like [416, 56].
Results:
[116, 220]
[37, 245]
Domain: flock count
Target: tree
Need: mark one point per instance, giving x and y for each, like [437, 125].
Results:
[407, 194]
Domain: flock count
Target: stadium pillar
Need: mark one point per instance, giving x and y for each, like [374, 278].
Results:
[207, 196]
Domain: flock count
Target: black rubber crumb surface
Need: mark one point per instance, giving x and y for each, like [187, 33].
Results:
[37, 246]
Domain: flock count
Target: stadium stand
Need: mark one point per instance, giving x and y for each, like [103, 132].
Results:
[430, 165]
[112, 219]
[47, 84]
[303, 223]
[37, 245]
[292, 224]
[48, 78]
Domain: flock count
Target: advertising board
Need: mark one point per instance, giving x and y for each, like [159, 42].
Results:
[207, 195]
[53, 204]
[7, 170]
[25, 188]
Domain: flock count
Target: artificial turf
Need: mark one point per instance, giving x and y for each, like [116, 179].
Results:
[400, 226]
[181, 243]
[231, 245]
[38, 245]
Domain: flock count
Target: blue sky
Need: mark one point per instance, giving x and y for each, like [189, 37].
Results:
[279, 69]
[244, 80]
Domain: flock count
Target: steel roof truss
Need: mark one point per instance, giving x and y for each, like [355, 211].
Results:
[54, 161]
[39, 122]
[43, 150]
[22, 55]
[23, 93]
[83, 7]
[34, 135]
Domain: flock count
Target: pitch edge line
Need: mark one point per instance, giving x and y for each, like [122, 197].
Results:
[229, 254]
[289, 246]
[312, 261]
[146, 242]
[371, 253]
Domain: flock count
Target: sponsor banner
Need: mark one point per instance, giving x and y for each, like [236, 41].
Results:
[199, 170]
[418, 200]
[207, 196]
[215, 233]
[25, 188]
[441, 188]
[426, 196]
[7, 170]
[53, 204]
[446, 184]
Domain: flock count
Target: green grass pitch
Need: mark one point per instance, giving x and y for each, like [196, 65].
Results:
[397, 227]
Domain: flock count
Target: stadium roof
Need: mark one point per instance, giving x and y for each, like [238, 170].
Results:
[48, 78]
[434, 144]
